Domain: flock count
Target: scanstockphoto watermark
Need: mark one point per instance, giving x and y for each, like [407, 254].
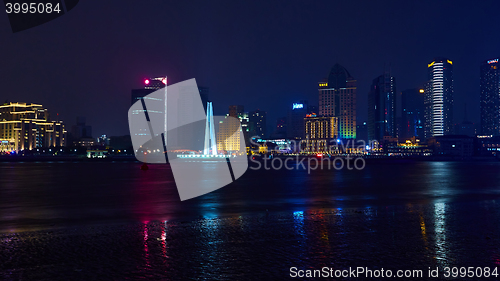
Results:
[311, 155]
[309, 163]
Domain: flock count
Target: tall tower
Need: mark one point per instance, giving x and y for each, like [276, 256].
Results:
[210, 147]
[337, 98]
[382, 107]
[440, 97]
[490, 97]
[257, 120]
[295, 121]
[412, 113]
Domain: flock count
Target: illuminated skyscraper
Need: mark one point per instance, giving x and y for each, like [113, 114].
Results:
[382, 108]
[321, 133]
[151, 85]
[439, 98]
[228, 140]
[490, 97]
[337, 98]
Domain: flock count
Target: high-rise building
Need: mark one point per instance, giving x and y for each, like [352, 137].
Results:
[362, 132]
[439, 100]
[150, 85]
[258, 122]
[321, 133]
[237, 111]
[337, 98]
[27, 126]
[228, 140]
[281, 124]
[81, 129]
[490, 97]
[382, 107]
[412, 113]
[295, 120]
[81, 133]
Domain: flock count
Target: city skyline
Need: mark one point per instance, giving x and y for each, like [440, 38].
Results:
[241, 61]
[395, 98]
[259, 140]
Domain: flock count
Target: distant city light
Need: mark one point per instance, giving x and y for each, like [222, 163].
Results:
[492, 61]
[421, 90]
[297, 105]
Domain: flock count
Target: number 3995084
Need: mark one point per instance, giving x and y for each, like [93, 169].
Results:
[32, 8]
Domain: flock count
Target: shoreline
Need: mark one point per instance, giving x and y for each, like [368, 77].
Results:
[131, 158]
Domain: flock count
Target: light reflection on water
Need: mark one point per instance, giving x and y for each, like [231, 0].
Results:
[244, 246]
[38, 195]
[441, 244]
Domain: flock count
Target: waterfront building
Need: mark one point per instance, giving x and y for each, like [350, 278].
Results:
[439, 98]
[295, 120]
[321, 133]
[452, 146]
[337, 98]
[490, 97]
[258, 122]
[412, 113]
[26, 126]
[228, 136]
[382, 108]
[81, 133]
[487, 145]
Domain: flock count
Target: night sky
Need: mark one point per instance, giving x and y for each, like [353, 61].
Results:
[261, 54]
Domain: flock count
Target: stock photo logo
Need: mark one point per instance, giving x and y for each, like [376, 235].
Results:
[171, 125]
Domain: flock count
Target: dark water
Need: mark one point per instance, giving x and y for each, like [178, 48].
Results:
[106, 221]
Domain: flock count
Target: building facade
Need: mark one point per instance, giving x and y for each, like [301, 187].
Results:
[280, 128]
[295, 120]
[228, 136]
[412, 113]
[321, 133]
[27, 126]
[337, 98]
[258, 122]
[439, 99]
[150, 85]
[490, 97]
[382, 107]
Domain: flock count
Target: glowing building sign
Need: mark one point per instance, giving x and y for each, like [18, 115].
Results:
[492, 61]
[297, 105]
